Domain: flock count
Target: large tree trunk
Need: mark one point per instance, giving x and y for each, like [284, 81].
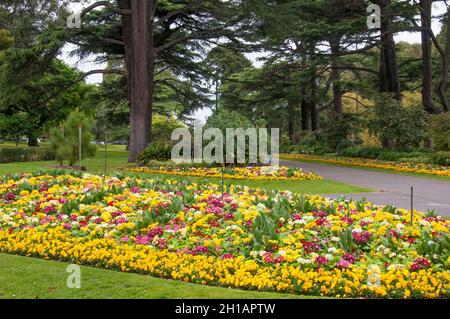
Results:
[142, 76]
[313, 87]
[291, 120]
[443, 82]
[336, 76]
[389, 81]
[127, 33]
[313, 104]
[305, 115]
[427, 67]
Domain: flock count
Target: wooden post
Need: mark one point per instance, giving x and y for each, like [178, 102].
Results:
[106, 156]
[79, 145]
[412, 205]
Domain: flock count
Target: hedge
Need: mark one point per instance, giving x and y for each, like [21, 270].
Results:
[25, 154]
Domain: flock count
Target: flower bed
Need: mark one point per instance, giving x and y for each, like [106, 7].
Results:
[242, 173]
[249, 239]
[373, 163]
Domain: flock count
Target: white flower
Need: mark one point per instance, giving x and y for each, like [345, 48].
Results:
[231, 227]
[399, 226]
[332, 250]
[262, 253]
[392, 255]
[335, 239]
[329, 256]
[300, 221]
[357, 230]
[198, 213]
[304, 261]
[282, 252]
[261, 206]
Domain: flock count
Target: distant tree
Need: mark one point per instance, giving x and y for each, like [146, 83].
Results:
[64, 140]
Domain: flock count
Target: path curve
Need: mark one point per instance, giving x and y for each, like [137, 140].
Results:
[429, 194]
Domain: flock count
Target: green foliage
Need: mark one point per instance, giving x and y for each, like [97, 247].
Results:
[360, 151]
[223, 119]
[440, 158]
[25, 154]
[65, 140]
[336, 131]
[162, 128]
[155, 152]
[436, 248]
[439, 128]
[264, 231]
[397, 127]
[5, 39]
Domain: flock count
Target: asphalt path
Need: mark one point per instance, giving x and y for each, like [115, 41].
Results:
[390, 188]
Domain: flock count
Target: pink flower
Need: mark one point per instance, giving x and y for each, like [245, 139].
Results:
[125, 239]
[349, 257]
[279, 259]
[227, 256]
[142, 240]
[268, 258]
[320, 260]
[343, 264]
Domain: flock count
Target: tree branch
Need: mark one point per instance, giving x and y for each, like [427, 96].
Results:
[104, 4]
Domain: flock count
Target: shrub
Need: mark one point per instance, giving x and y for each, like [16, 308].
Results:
[162, 128]
[440, 158]
[25, 154]
[396, 126]
[392, 155]
[155, 152]
[336, 134]
[439, 130]
[65, 141]
[365, 152]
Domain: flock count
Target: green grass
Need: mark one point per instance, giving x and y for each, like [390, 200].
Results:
[304, 187]
[117, 159]
[30, 278]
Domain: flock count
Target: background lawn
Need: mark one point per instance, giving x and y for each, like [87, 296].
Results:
[117, 159]
[31, 278]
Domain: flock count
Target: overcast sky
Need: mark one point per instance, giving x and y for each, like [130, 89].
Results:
[89, 64]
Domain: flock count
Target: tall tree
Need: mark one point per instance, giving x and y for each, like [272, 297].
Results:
[153, 36]
[427, 67]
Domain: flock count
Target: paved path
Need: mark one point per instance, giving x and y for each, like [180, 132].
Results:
[391, 188]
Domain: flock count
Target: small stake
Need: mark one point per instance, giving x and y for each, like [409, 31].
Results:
[79, 145]
[412, 204]
[106, 149]
[222, 181]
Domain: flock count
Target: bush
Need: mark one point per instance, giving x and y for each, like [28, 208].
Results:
[25, 154]
[155, 152]
[396, 126]
[336, 134]
[365, 152]
[65, 141]
[162, 128]
[392, 155]
[440, 158]
[439, 129]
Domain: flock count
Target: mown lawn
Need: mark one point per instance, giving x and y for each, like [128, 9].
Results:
[117, 159]
[31, 278]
